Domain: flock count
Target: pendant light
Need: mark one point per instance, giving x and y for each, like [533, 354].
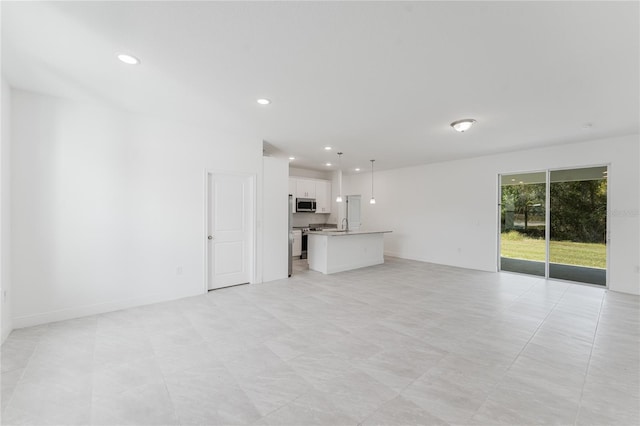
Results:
[339, 197]
[372, 200]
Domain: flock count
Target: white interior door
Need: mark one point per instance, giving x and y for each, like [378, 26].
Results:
[230, 231]
[353, 211]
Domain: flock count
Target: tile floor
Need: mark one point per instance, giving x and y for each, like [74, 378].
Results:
[400, 343]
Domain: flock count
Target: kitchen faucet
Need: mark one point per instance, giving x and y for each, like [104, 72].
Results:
[345, 220]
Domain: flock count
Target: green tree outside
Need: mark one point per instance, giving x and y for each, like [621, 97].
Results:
[577, 223]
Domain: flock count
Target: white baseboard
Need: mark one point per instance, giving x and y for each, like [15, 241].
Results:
[351, 266]
[423, 259]
[402, 256]
[87, 310]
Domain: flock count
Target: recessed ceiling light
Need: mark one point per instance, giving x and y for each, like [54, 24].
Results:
[358, 169]
[328, 164]
[521, 182]
[327, 148]
[128, 59]
[513, 180]
[292, 158]
[263, 101]
[463, 125]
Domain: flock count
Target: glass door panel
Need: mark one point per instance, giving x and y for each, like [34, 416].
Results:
[523, 223]
[578, 225]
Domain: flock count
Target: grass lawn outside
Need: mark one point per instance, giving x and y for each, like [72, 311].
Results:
[517, 246]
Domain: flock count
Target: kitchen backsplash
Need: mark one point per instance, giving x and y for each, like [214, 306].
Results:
[304, 219]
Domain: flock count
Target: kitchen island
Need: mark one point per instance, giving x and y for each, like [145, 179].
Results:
[337, 251]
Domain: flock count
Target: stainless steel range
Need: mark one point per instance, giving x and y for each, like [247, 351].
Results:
[303, 253]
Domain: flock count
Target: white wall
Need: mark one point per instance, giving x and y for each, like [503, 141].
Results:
[5, 228]
[304, 219]
[275, 218]
[106, 205]
[447, 212]
[314, 174]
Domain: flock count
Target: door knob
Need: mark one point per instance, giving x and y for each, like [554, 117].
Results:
[210, 237]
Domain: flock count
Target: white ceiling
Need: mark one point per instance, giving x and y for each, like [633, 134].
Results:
[375, 80]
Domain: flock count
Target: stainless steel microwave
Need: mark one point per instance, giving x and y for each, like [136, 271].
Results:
[305, 205]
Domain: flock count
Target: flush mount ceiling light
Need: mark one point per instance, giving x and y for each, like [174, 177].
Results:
[339, 197]
[128, 59]
[463, 125]
[263, 101]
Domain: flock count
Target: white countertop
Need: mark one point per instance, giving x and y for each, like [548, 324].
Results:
[343, 233]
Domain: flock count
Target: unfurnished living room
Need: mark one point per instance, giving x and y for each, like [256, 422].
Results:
[320, 213]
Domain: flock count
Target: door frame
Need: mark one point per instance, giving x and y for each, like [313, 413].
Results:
[252, 223]
[547, 172]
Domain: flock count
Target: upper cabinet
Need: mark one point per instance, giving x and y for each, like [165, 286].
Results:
[305, 188]
[323, 196]
[318, 189]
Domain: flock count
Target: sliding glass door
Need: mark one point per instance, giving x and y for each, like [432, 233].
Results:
[523, 223]
[554, 224]
[578, 228]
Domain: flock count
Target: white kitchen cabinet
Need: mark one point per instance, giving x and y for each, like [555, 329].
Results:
[323, 196]
[331, 252]
[318, 189]
[297, 243]
[305, 188]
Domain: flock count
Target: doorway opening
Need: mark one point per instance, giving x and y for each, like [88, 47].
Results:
[554, 224]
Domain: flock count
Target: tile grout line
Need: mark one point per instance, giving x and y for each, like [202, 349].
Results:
[93, 368]
[349, 333]
[241, 388]
[488, 394]
[24, 369]
[586, 372]
[399, 395]
[162, 373]
[524, 293]
[538, 328]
